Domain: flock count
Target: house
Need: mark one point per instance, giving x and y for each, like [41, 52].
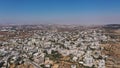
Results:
[73, 66]
[88, 60]
[101, 63]
[75, 58]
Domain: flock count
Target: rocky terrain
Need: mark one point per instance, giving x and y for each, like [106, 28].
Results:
[112, 49]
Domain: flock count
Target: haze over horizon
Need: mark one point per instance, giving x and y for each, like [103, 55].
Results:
[60, 12]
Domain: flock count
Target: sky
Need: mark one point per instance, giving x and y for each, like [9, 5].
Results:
[60, 12]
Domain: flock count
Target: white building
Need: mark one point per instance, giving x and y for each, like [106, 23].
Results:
[101, 64]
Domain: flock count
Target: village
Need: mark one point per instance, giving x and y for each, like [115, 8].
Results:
[53, 49]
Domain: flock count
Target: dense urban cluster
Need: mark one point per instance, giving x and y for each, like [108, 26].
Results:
[55, 49]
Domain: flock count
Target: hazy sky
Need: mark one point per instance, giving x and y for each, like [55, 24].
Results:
[60, 11]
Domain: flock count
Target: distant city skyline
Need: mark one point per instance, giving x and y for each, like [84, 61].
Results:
[85, 12]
